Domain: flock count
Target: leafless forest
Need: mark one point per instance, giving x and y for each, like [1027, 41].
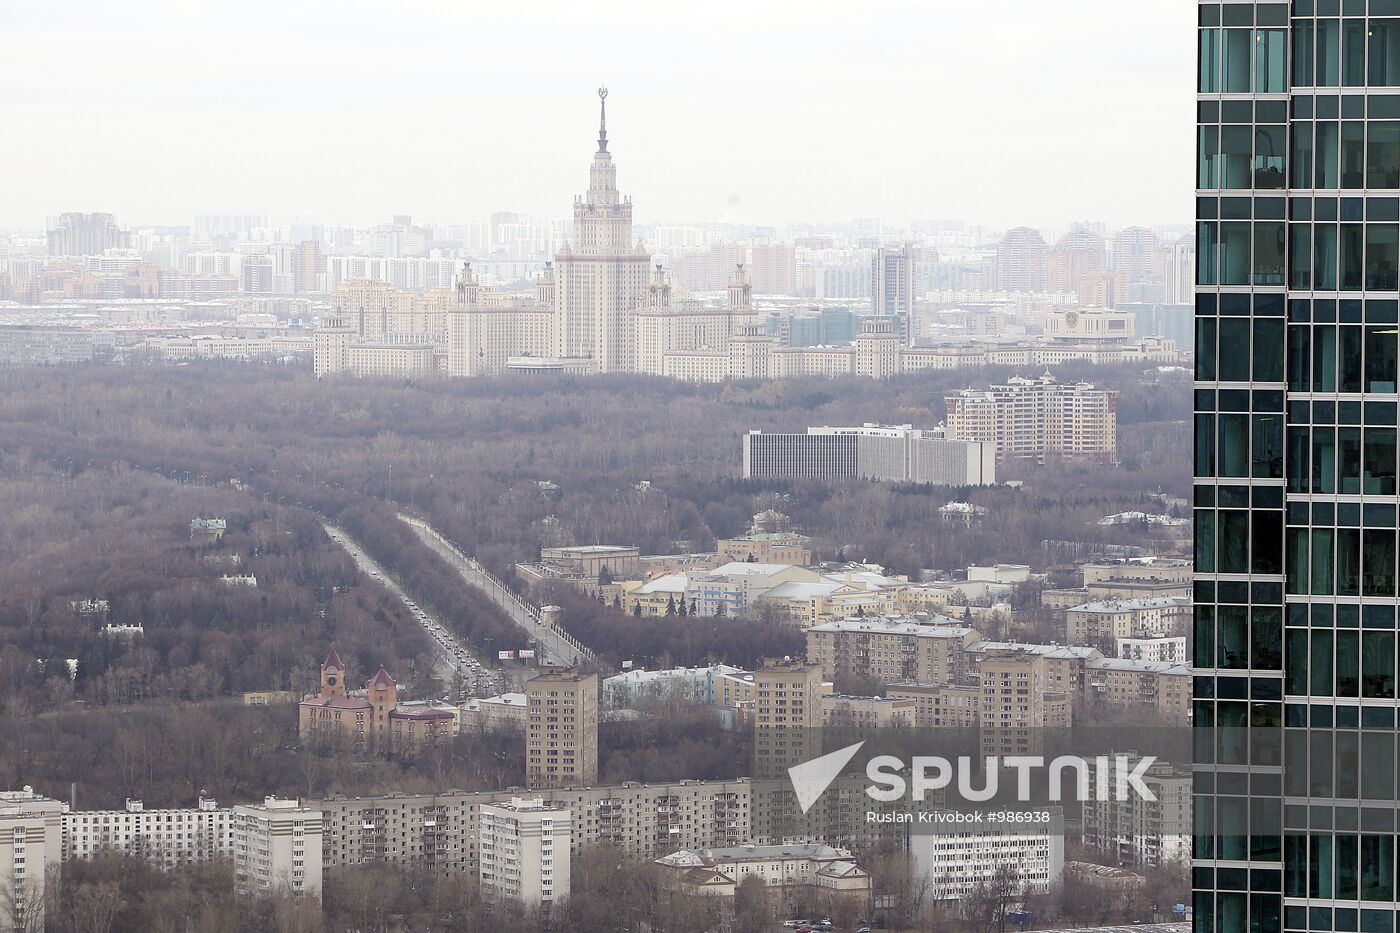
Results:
[101, 470]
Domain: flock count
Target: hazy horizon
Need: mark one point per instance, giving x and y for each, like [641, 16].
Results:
[719, 113]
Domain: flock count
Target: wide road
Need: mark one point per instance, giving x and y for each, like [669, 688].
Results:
[553, 645]
[451, 657]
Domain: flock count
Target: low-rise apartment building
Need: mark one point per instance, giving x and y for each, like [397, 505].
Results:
[839, 711]
[894, 649]
[956, 863]
[1164, 688]
[792, 875]
[1106, 620]
[687, 684]
[167, 836]
[499, 713]
[441, 832]
[1169, 649]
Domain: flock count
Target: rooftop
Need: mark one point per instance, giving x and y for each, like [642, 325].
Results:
[748, 568]
[1140, 667]
[698, 858]
[791, 536]
[339, 702]
[503, 699]
[1059, 652]
[666, 583]
[1130, 605]
[937, 626]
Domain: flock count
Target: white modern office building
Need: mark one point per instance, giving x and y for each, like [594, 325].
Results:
[884, 453]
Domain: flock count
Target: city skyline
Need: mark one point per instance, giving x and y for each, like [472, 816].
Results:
[244, 122]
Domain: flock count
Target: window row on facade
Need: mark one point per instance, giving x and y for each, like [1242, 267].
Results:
[1326, 460]
[1326, 154]
[1239, 541]
[1341, 562]
[1239, 349]
[1328, 358]
[1322, 256]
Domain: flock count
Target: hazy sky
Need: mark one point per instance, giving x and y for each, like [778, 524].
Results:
[1004, 111]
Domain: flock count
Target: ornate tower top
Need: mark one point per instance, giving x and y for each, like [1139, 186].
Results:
[602, 119]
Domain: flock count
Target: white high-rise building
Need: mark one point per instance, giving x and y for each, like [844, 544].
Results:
[602, 277]
[525, 851]
[277, 848]
[31, 849]
[892, 286]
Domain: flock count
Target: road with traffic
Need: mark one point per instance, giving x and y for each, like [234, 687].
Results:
[552, 645]
[453, 663]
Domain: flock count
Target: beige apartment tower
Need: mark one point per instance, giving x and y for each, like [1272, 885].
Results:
[787, 714]
[561, 734]
[1038, 418]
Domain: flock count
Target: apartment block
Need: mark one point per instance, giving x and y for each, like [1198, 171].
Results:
[839, 711]
[441, 832]
[892, 649]
[561, 734]
[1137, 832]
[955, 863]
[946, 706]
[1105, 620]
[277, 848]
[167, 836]
[1038, 418]
[1018, 703]
[787, 714]
[1066, 667]
[1168, 649]
[31, 850]
[495, 714]
[525, 851]
[1151, 685]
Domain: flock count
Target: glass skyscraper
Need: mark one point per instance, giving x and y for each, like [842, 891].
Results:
[1298, 229]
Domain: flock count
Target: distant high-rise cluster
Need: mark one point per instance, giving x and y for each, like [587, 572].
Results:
[602, 306]
[86, 235]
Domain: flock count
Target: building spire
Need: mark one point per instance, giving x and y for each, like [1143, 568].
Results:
[602, 119]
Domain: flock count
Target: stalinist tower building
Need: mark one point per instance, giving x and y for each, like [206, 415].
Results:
[601, 280]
